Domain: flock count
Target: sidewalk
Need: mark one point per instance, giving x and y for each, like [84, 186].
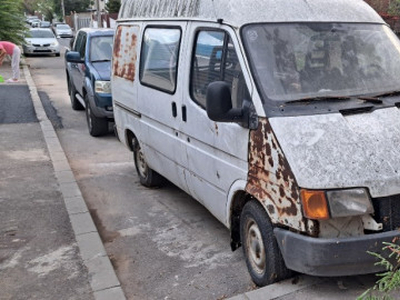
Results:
[49, 246]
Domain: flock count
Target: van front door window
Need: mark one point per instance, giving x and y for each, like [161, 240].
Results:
[215, 59]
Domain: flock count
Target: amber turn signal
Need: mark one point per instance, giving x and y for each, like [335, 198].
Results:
[315, 205]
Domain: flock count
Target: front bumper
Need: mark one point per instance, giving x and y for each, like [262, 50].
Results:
[28, 49]
[332, 257]
[65, 35]
[102, 106]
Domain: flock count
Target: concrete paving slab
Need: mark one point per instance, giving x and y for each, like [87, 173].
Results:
[82, 223]
[65, 176]
[102, 276]
[70, 189]
[113, 293]
[91, 246]
[75, 205]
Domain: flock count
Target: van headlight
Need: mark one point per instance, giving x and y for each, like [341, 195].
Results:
[102, 87]
[322, 205]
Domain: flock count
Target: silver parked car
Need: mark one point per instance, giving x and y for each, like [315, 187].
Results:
[41, 41]
[63, 30]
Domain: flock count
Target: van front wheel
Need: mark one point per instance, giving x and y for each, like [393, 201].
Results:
[147, 176]
[261, 250]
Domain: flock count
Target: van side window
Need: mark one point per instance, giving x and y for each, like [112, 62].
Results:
[159, 58]
[215, 59]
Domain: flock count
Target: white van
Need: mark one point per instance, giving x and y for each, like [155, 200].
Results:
[280, 116]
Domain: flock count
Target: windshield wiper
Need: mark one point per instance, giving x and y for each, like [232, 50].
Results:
[371, 99]
[320, 98]
[386, 94]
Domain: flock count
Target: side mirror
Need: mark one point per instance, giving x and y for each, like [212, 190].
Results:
[219, 106]
[73, 57]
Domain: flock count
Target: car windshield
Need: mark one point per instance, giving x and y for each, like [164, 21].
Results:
[101, 48]
[63, 27]
[314, 60]
[41, 34]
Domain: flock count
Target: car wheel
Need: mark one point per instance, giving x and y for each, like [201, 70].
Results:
[261, 250]
[57, 54]
[97, 126]
[147, 176]
[76, 105]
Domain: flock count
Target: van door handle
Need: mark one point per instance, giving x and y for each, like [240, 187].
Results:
[184, 113]
[174, 110]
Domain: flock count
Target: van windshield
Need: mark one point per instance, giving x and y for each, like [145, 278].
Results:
[314, 60]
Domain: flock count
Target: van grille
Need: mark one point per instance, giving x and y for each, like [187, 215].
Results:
[387, 212]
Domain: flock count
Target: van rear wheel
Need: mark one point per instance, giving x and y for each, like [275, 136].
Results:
[263, 257]
[147, 176]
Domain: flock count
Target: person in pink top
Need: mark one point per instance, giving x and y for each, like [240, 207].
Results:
[15, 53]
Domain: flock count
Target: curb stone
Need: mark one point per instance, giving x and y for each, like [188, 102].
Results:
[102, 277]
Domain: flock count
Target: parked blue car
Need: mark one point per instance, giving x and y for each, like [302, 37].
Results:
[88, 67]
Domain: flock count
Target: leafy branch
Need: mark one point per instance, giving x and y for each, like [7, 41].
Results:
[389, 280]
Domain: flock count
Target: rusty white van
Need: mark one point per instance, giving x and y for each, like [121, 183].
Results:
[280, 116]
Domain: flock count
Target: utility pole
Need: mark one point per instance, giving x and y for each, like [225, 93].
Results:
[63, 10]
[99, 22]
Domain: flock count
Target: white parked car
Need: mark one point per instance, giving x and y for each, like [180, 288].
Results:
[41, 41]
[63, 30]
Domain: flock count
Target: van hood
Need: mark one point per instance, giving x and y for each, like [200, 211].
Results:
[103, 68]
[335, 151]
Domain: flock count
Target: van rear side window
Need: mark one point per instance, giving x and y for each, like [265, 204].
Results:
[159, 58]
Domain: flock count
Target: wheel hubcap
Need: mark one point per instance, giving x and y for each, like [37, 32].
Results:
[255, 247]
[141, 161]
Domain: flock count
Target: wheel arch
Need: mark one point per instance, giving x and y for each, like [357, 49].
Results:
[237, 199]
[129, 137]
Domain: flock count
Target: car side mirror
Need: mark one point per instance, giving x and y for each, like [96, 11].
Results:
[219, 106]
[73, 57]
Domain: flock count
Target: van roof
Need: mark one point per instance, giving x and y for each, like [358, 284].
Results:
[240, 12]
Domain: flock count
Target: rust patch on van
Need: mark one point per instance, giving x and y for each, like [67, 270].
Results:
[125, 54]
[271, 181]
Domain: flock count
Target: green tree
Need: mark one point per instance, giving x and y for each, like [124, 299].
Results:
[70, 6]
[12, 25]
[394, 8]
[112, 6]
[45, 7]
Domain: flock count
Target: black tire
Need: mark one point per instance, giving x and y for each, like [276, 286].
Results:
[75, 104]
[57, 54]
[263, 257]
[147, 176]
[97, 126]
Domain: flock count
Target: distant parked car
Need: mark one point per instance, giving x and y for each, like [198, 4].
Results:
[63, 31]
[30, 19]
[88, 67]
[45, 24]
[41, 41]
[35, 23]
